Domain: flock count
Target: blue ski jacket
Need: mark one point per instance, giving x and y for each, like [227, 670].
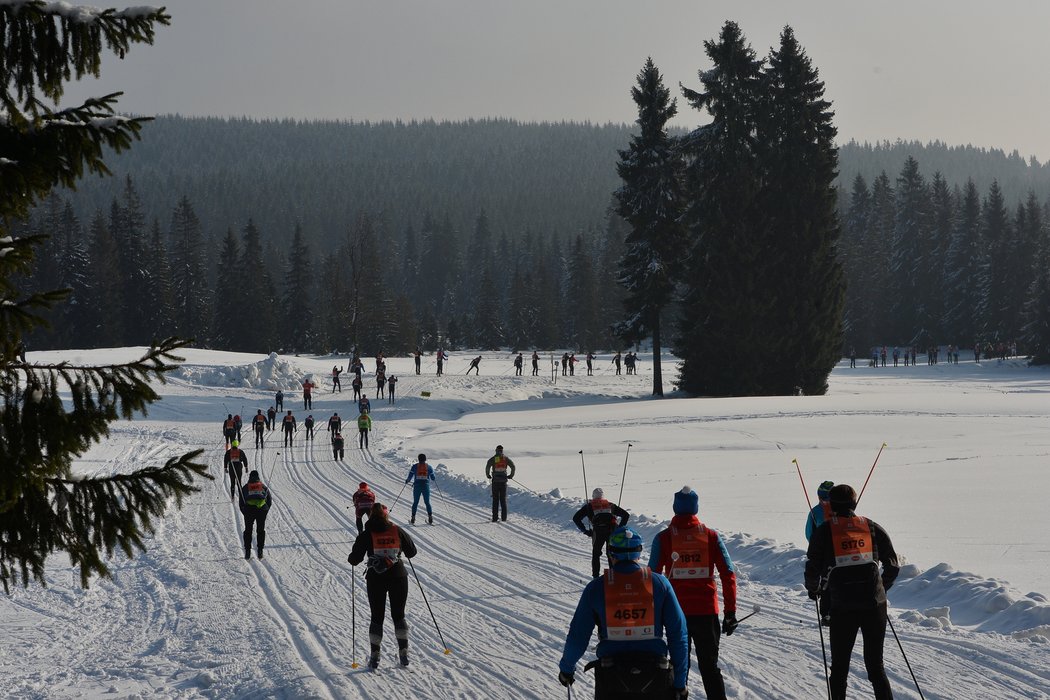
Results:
[672, 637]
[412, 474]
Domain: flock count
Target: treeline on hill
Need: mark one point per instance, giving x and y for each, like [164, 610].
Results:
[318, 236]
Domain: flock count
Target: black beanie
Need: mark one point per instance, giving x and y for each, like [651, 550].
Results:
[843, 498]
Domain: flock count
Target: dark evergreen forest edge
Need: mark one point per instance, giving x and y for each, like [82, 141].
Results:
[321, 236]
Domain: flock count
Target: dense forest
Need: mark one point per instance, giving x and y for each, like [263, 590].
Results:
[319, 236]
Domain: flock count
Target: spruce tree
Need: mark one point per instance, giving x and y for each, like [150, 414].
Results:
[650, 201]
[296, 332]
[942, 226]
[855, 243]
[995, 271]
[963, 270]
[796, 145]
[105, 310]
[188, 275]
[44, 507]
[725, 307]
[226, 320]
[159, 293]
[254, 332]
[910, 258]
[879, 250]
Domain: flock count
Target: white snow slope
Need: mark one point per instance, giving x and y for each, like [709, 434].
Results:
[962, 480]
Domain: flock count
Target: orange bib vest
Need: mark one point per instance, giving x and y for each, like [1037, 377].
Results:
[629, 605]
[690, 553]
[852, 541]
[363, 501]
[500, 465]
[421, 471]
[386, 545]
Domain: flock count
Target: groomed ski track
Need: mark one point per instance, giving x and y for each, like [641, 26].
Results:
[191, 618]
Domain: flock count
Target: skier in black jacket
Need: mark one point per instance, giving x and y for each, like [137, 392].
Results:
[842, 570]
[604, 517]
[385, 576]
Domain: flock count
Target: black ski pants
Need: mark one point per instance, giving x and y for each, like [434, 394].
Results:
[499, 500]
[256, 517]
[309, 433]
[598, 541]
[704, 634]
[380, 587]
[843, 633]
[360, 523]
[337, 452]
[259, 440]
[362, 441]
[235, 469]
[288, 436]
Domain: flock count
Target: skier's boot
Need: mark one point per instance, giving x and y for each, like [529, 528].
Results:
[247, 552]
[430, 519]
[373, 660]
[259, 552]
[403, 655]
[412, 520]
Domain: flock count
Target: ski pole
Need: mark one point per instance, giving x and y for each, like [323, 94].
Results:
[423, 593]
[805, 493]
[586, 493]
[870, 472]
[524, 486]
[914, 680]
[274, 464]
[353, 615]
[757, 609]
[827, 678]
[391, 508]
[624, 478]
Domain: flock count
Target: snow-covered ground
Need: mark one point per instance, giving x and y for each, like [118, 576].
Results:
[959, 487]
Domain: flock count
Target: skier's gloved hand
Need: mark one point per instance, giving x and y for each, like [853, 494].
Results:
[681, 693]
[566, 679]
[814, 595]
[729, 623]
[589, 533]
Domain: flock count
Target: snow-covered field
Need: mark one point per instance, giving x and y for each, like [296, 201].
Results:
[960, 487]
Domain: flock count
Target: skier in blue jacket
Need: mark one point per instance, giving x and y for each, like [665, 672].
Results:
[423, 473]
[821, 511]
[647, 625]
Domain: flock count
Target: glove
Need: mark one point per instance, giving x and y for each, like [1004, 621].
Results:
[589, 533]
[729, 623]
[566, 679]
[814, 595]
[681, 693]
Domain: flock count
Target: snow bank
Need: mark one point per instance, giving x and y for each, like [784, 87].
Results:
[271, 374]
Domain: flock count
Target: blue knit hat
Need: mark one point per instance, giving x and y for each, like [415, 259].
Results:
[824, 490]
[686, 502]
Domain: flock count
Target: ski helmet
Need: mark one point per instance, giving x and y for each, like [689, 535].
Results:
[422, 458]
[625, 543]
[236, 443]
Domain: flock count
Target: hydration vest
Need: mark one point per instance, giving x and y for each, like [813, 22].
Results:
[629, 605]
[690, 553]
[852, 540]
[364, 500]
[602, 513]
[256, 494]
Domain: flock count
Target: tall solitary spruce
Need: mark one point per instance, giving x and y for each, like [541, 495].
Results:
[649, 202]
[43, 507]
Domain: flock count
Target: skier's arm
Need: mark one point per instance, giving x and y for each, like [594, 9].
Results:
[411, 473]
[510, 465]
[816, 560]
[488, 467]
[430, 473]
[582, 513]
[583, 622]
[654, 555]
[622, 516]
[887, 555]
[408, 547]
[726, 571]
[360, 548]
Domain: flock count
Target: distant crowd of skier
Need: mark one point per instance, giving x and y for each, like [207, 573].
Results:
[647, 616]
[880, 355]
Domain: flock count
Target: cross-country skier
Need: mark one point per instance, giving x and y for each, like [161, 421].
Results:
[423, 474]
[309, 425]
[278, 400]
[364, 499]
[475, 365]
[336, 384]
[519, 362]
[385, 577]
[356, 385]
[237, 425]
[290, 426]
[364, 426]
[308, 388]
[364, 405]
[500, 469]
[639, 624]
[535, 363]
[821, 511]
[335, 424]
[337, 445]
[259, 423]
[442, 357]
[689, 553]
[271, 418]
[229, 429]
[391, 384]
[604, 517]
[235, 462]
[380, 383]
[617, 358]
[842, 571]
[590, 363]
[418, 356]
[255, 504]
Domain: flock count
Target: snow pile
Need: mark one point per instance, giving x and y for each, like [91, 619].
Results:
[271, 374]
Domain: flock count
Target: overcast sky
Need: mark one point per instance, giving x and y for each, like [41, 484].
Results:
[964, 71]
